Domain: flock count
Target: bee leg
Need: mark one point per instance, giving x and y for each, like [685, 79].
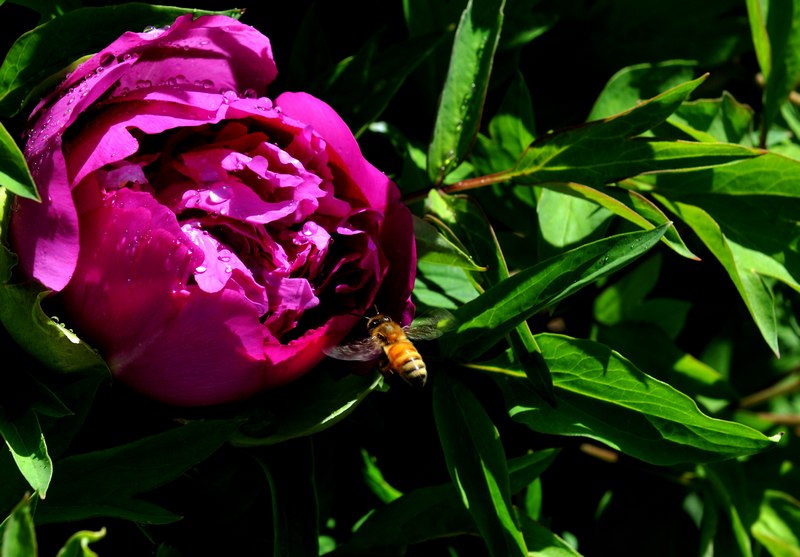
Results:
[385, 369]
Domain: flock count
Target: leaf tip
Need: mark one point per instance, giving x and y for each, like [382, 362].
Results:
[777, 437]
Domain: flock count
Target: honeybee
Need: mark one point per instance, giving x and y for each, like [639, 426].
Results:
[391, 341]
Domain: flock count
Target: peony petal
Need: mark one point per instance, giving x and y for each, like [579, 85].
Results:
[131, 274]
[45, 235]
[287, 362]
[210, 353]
[374, 186]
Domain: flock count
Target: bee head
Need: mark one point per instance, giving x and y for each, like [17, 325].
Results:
[376, 321]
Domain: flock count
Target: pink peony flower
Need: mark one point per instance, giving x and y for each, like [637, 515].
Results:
[210, 242]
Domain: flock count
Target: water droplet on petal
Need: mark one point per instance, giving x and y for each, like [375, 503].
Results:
[107, 59]
[219, 195]
[143, 84]
[200, 269]
[228, 95]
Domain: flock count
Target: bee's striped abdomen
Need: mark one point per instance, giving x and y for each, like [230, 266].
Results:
[406, 362]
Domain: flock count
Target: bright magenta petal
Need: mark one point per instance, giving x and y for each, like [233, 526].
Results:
[45, 235]
[373, 184]
[210, 353]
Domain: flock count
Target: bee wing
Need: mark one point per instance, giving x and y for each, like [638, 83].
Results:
[361, 350]
[430, 325]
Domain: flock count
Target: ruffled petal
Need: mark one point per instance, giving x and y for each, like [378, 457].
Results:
[360, 175]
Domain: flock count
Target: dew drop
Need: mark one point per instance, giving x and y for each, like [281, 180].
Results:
[249, 94]
[228, 95]
[200, 269]
[107, 59]
[143, 84]
[219, 195]
[204, 83]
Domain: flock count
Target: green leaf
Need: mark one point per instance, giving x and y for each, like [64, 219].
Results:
[758, 31]
[108, 482]
[626, 300]
[608, 150]
[477, 465]
[524, 469]
[511, 130]
[46, 338]
[542, 542]
[778, 524]
[430, 513]
[375, 481]
[723, 488]
[783, 31]
[295, 510]
[423, 514]
[308, 405]
[602, 396]
[44, 53]
[723, 119]
[433, 247]
[488, 318]
[14, 173]
[565, 221]
[362, 86]
[442, 287]
[18, 535]
[630, 205]
[648, 347]
[471, 226]
[632, 84]
[78, 544]
[25, 439]
[746, 217]
[459, 115]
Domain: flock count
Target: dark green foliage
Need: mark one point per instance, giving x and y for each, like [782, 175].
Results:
[606, 202]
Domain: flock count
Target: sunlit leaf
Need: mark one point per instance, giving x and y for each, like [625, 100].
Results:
[542, 542]
[609, 150]
[511, 130]
[374, 479]
[602, 396]
[23, 436]
[488, 318]
[470, 225]
[78, 544]
[18, 535]
[461, 105]
[778, 524]
[434, 247]
[46, 338]
[565, 221]
[783, 32]
[635, 83]
[442, 287]
[746, 216]
[723, 119]
[14, 173]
